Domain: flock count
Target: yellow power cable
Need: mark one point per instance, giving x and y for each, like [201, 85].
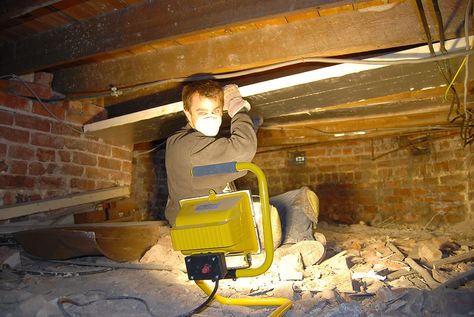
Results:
[454, 78]
[457, 73]
[283, 304]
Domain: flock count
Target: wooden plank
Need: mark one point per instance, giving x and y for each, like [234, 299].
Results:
[71, 200]
[136, 25]
[423, 273]
[457, 281]
[153, 124]
[330, 129]
[466, 256]
[363, 31]
[10, 9]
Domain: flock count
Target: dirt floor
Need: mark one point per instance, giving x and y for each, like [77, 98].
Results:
[364, 271]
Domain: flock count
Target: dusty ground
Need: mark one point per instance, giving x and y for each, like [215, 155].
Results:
[359, 276]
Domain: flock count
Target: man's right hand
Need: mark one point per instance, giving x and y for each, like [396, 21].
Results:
[233, 101]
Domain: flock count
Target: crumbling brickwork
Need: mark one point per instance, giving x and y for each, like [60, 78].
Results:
[41, 157]
[427, 183]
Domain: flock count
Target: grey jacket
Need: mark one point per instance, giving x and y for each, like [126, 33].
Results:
[188, 147]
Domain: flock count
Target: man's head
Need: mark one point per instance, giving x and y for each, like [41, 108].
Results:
[203, 102]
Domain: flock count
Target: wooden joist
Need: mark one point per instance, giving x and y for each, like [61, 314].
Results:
[137, 25]
[314, 91]
[320, 36]
[10, 9]
[29, 208]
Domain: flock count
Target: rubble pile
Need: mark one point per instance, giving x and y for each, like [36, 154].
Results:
[348, 270]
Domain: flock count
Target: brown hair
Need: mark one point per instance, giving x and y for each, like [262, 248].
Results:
[206, 88]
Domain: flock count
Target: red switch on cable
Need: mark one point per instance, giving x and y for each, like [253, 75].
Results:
[206, 269]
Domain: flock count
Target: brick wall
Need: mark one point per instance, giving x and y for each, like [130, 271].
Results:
[149, 186]
[41, 157]
[429, 183]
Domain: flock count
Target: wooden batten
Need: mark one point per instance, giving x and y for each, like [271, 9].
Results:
[29, 208]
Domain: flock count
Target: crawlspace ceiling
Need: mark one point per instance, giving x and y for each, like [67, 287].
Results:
[131, 58]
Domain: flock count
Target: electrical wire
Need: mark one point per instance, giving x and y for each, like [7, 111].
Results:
[454, 78]
[65, 300]
[13, 76]
[455, 103]
[408, 128]
[203, 305]
[458, 111]
[151, 150]
[154, 84]
[57, 273]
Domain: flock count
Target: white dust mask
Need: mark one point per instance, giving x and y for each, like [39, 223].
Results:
[209, 125]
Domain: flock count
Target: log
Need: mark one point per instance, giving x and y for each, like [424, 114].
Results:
[423, 273]
[458, 280]
[455, 259]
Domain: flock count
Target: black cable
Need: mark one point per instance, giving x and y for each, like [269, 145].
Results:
[447, 66]
[56, 273]
[66, 300]
[203, 305]
[455, 113]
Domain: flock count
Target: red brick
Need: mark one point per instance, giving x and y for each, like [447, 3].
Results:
[36, 168]
[45, 155]
[97, 173]
[94, 112]
[30, 122]
[16, 181]
[43, 78]
[3, 166]
[18, 167]
[56, 108]
[110, 163]
[452, 179]
[84, 159]
[126, 167]
[455, 165]
[402, 192]
[83, 112]
[75, 144]
[455, 217]
[8, 198]
[121, 153]
[105, 184]
[20, 152]
[66, 129]
[3, 150]
[54, 193]
[25, 89]
[83, 184]
[15, 102]
[65, 156]
[119, 177]
[6, 117]
[71, 169]
[48, 182]
[51, 168]
[14, 135]
[47, 140]
[99, 148]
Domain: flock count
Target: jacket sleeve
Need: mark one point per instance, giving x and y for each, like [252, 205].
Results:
[241, 146]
